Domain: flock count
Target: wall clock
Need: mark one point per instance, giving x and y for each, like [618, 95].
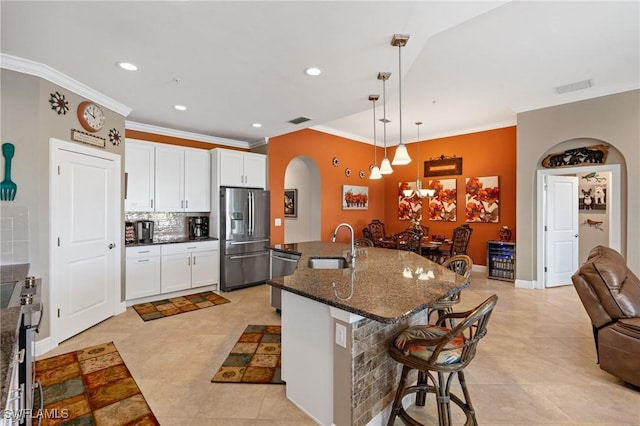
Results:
[90, 116]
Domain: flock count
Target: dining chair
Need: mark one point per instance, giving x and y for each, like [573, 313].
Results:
[458, 245]
[439, 353]
[363, 242]
[461, 264]
[379, 235]
[408, 240]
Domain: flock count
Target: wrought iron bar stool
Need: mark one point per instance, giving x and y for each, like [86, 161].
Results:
[439, 353]
[461, 264]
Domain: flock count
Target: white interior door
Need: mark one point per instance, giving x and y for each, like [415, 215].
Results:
[562, 230]
[85, 259]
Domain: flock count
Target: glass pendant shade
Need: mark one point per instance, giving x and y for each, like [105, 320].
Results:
[402, 156]
[385, 167]
[375, 173]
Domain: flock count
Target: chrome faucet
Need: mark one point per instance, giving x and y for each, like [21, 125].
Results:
[353, 246]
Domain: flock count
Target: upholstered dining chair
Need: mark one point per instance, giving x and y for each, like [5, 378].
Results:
[439, 353]
[458, 245]
[461, 264]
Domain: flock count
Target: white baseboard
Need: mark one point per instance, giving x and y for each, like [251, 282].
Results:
[45, 345]
[530, 285]
[212, 287]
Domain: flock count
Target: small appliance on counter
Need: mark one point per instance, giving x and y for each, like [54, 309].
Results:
[198, 227]
[144, 231]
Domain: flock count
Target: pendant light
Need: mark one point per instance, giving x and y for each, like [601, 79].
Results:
[375, 170]
[401, 157]
[422, 193]
[385, 166]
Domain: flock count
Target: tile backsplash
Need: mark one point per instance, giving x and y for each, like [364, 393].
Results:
[167, 225]
[14, 234]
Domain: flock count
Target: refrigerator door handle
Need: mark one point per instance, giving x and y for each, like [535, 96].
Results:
[237, 243]
[251, 212]
[244, 256]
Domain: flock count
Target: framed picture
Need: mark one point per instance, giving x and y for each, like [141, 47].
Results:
[355, 197]
[409, 208]
[482, 195]
[443, 204]
[290, 203]
[443, 167]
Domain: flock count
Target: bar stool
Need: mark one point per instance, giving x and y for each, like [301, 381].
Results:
[439, 353]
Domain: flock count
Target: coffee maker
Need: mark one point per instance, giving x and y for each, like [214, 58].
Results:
[144, 231]
[198, 227]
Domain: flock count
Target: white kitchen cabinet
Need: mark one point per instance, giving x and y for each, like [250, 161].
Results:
[239, 169]
[189, 265]
[140, 168]
[182, 179]
[143, 271]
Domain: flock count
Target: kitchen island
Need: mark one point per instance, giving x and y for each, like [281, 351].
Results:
[337, 325]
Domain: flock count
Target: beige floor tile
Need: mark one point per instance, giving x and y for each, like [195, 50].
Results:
[537, 365]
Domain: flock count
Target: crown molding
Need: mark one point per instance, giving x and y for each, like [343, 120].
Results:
[346, 135]
[26, 66]
[148, 128]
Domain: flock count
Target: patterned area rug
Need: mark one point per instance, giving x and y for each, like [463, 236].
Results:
[91, 386]
[178, 305]
[255, 358]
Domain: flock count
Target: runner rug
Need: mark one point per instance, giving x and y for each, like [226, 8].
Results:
[91, 386]
[178, 305]
[255, 358]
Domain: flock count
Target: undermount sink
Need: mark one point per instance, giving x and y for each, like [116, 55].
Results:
[328, 263]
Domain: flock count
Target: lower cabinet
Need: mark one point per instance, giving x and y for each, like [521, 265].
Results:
[188, 265]
[143, 271]
[160, 269]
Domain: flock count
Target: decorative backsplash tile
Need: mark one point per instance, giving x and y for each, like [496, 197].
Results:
[14, 234]
[167, 225]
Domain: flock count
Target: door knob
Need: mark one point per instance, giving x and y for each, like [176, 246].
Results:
[577, 235]
[111, 246]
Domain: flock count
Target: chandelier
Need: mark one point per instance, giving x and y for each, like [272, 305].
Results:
[401, 157]
[418, 192]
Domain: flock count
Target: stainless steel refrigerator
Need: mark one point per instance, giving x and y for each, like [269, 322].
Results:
[244, 237]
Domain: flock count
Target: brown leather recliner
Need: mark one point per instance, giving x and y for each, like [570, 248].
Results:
[610, 293]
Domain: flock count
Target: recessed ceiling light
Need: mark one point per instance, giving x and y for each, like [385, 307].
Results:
[180, 107]
[313, 71]
[127, 66]
[257, 125]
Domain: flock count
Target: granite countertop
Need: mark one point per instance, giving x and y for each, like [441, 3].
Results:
[383, 286]
[9, 321]
[171, 240]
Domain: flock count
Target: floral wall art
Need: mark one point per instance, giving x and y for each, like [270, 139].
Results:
[355, 197]
[443, 205]
[409, 208]
[482, 199]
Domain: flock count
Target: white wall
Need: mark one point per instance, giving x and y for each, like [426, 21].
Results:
[303, 174]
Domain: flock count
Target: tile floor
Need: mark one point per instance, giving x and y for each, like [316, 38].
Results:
[535, 367]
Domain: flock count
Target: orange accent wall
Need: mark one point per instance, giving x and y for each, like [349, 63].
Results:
[321, 148]
[172, 140]
[488, 153]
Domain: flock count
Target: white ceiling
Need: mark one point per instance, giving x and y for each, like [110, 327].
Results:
[467, 66]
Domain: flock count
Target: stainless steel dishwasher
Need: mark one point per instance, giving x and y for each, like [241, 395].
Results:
[283, 263]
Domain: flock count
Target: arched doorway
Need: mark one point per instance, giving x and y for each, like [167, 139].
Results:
[594, 226]
[303, 174]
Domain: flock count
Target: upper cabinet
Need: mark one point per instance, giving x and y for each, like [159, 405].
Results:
[140, 169]
[239, 169]
[180, 180]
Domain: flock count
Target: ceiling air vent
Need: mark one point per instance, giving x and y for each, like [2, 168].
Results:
[299, 120]
[572, 87]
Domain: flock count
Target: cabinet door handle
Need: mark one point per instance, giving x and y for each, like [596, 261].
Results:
[189, 261]
[182, 204]
[194, 260]
[186, 204]
[144, 260]
[151, 203]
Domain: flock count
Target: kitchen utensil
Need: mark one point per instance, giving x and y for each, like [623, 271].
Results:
[8, 188]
